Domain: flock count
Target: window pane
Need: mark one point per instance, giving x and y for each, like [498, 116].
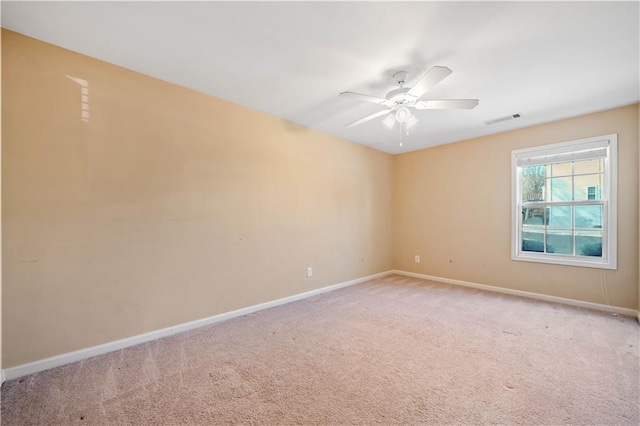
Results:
[590, 166]
[582, 185]
[560, 189]
[533, 181]
[560, 242]
[562, 169]
[589, 243]
[536, 172]
[533, 216]
[565, 208]
[560, 216]
[589, 216]
[533, 240]
[533, 190]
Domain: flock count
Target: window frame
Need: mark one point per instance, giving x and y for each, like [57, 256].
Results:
[608, 201]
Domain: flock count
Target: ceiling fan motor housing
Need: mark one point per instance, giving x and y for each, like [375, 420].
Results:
[399, 97]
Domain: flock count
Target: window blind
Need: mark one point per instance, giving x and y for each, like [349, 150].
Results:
[574, 152]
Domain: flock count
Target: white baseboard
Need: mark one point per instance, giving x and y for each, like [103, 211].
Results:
[547, 298]
[48, 363]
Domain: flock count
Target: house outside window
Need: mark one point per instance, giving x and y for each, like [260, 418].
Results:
[564, 203]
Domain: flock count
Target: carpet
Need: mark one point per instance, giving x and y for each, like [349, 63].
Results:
[394, 350]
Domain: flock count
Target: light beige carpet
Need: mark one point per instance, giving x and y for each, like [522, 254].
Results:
[395, 350]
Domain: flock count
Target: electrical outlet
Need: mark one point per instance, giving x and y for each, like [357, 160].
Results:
[309, 271]
[417, 259]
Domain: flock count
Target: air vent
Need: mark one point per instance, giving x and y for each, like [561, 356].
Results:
[501, 119]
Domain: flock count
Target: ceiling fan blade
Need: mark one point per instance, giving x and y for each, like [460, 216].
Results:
[450, 104]
[362, 97]
[368, 117]
[434, 76]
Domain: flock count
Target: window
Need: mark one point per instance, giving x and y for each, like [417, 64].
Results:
[564, 203]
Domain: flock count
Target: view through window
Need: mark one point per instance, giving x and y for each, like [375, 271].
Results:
[564, 203]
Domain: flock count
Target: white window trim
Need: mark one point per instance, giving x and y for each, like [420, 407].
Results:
[610, 223]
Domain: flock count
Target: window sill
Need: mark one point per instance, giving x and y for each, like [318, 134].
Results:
[565, 260]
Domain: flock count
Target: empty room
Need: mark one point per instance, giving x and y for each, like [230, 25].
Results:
[320, 213]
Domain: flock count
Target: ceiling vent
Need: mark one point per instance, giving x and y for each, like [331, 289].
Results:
[501, 119]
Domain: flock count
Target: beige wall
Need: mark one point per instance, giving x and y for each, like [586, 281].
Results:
[1, 207]
[452, 206]
[166, 206]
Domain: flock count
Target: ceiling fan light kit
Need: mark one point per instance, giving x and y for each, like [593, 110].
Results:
[400, 101]
[389, 121]
[403, 114]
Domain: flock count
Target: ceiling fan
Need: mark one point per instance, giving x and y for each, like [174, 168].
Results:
[401, 101]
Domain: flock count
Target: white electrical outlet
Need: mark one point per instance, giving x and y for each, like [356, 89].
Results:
[417, 259]
[309, 271]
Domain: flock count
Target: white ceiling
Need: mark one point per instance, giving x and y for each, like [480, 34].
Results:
[544, 60]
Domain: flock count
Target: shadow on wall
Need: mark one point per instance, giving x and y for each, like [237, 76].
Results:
[292, 127]
[316, 113]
